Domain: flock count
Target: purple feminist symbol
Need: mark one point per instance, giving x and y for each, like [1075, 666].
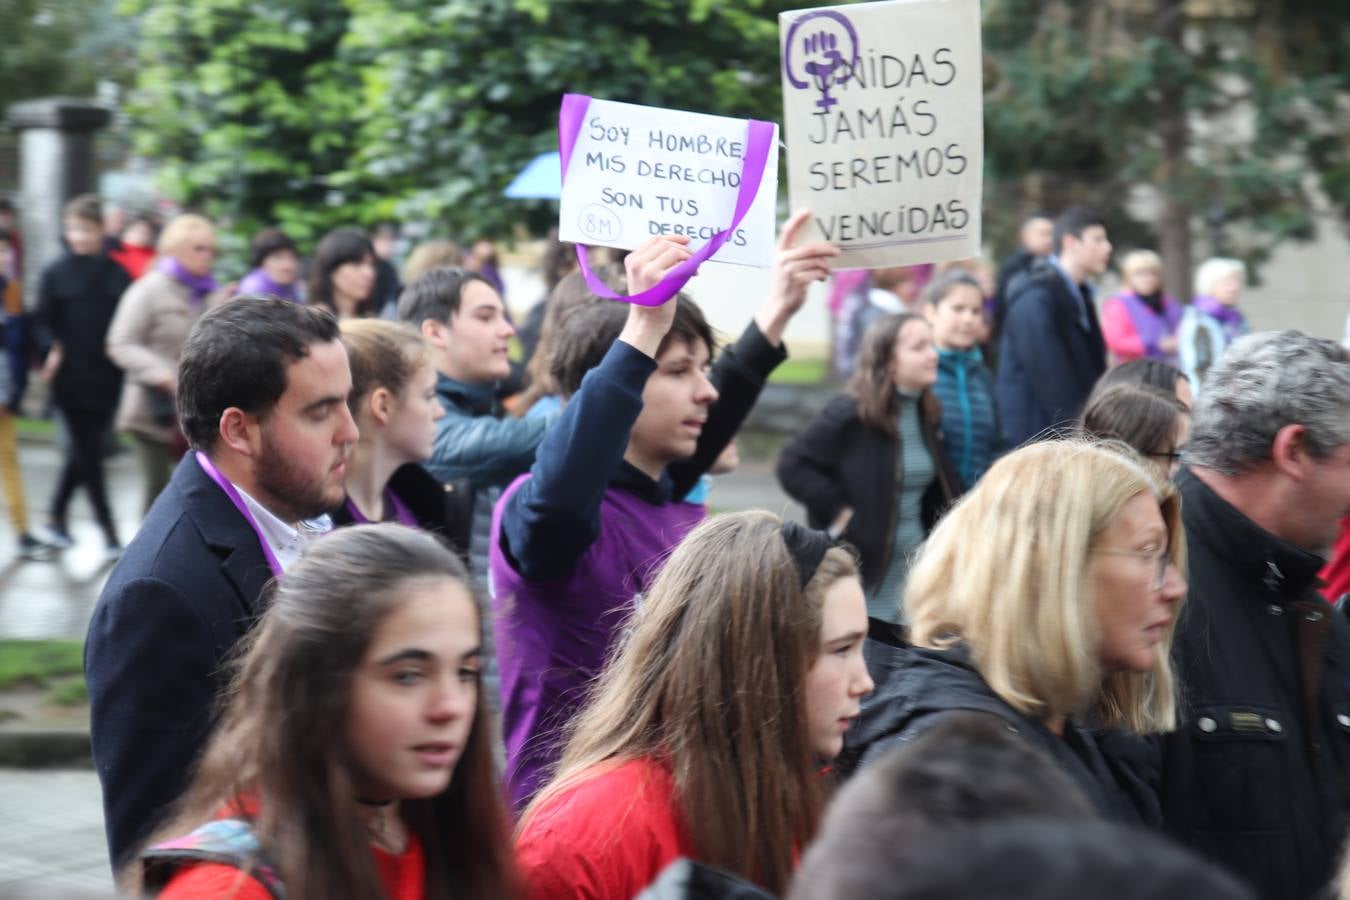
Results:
[828, 54]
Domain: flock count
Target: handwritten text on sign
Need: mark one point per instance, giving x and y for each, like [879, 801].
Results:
[883, 111]
[639, 171]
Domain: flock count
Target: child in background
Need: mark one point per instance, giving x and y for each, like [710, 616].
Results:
[954, 306]
[355, 758]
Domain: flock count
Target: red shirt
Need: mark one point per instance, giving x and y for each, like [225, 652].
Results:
[135, 259]
[1336, 573]
[402, 875]
[606, 838]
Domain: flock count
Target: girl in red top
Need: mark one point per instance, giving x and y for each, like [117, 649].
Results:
[706, 734]
[353, 759]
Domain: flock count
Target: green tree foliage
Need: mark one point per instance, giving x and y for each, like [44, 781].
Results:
[314, 113]
[248, 108]
[62, 47]
[1232, 109]
[467, 91]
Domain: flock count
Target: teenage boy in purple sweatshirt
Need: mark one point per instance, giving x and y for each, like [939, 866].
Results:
[575, 539]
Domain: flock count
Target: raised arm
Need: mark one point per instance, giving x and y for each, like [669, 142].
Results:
[554, 517]
[742, 368]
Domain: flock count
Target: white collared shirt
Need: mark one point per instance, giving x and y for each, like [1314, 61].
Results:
[287, 541]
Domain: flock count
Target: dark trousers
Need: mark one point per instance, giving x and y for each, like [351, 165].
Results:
[87, 431]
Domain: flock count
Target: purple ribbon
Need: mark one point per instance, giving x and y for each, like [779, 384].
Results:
[401, 512]
[758, 142]
[233, 493]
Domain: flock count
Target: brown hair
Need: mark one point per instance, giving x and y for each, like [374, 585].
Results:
[586, 333]
[569, 293]
[709, 681]
[872, 385]
[1139, 415]
[381, 354]
[86, 207]
[282, 739]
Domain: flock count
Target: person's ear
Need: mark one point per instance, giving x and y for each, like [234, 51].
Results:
[1289, 452]
[436, 333]
[380, 404]
[241, 432]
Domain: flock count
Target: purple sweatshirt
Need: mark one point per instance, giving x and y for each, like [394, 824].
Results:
[575, 540]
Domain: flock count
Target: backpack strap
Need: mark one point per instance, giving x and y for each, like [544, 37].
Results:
[227, 842]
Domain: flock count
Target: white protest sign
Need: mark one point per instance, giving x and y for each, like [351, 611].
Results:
[883, 110]
[640, 171]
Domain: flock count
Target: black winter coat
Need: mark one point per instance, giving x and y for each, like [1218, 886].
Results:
[1257, 776]
[77, 297]
[837, 462]
[182, 595]
[1048, 362]
[445, 510]
[916, 687]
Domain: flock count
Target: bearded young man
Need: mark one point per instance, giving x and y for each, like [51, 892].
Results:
[262, 398]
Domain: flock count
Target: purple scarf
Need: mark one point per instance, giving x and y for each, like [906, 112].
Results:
[1233, 321]
[258, 282]
[198, 285]
[1152, 326]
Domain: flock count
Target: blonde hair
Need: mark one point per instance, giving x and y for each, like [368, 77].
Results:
[381, 354]
[1138, 261]
[180, 230]
[709, 681]
[1006, 573]
[432, 254]
[1212, 271]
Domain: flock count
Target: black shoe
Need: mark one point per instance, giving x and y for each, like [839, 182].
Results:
[32, 548]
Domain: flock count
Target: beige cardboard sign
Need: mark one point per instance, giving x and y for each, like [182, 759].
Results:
[883, 116]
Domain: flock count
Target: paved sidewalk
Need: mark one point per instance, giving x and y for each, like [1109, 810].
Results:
[51, 831]
[54, 598]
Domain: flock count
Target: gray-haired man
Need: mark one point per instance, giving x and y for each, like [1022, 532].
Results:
[1257, 775]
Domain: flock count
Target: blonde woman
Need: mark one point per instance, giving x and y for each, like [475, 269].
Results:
[1141, 321]
[1046, 598]
[146, 338]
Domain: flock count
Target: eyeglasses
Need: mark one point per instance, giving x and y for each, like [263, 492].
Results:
[1160, 560]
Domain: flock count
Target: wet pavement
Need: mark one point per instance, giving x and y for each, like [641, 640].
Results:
[53, 598]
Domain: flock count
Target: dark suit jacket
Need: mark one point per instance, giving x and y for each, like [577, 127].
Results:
[178, 601]
[1048, 362]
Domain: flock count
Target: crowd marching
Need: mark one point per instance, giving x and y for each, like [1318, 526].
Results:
[1063, 620]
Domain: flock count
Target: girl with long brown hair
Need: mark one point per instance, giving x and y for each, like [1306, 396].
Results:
[872, 467]
[706, 733]
[353, 758]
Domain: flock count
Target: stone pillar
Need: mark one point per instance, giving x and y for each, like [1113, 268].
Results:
[56, 162]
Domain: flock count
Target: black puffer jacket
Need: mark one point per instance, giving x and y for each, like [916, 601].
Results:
[837, 461]
[445, 510]
[1258, 775]
[916, 686]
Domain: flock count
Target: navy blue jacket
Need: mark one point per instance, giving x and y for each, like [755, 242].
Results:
[180, 598]
[1048, 362]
